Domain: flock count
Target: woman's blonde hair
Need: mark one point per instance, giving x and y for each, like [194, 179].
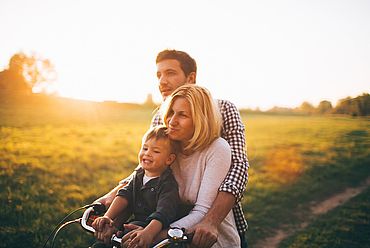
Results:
[204, 113]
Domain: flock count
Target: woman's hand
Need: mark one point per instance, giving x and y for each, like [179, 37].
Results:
[205, 235]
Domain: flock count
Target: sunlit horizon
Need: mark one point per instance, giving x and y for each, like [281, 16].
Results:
[255, 54]
[98, 97]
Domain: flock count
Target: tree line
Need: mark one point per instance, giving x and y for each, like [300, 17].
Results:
[30, 73]
[357, 106]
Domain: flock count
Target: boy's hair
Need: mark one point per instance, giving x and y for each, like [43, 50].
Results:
[160, 132]
[187, 63]
[205, 114]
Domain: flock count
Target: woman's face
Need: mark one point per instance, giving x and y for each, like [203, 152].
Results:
[179, 121]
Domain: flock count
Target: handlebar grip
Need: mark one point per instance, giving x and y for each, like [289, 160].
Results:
[116, 240]
[190, 237]
[99, 208]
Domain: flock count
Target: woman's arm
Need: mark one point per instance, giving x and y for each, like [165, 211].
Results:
[233, 186]
[217, 165]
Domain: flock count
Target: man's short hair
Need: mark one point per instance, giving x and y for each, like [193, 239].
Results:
[187, 63]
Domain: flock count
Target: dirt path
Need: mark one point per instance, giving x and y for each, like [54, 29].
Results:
[317, 208]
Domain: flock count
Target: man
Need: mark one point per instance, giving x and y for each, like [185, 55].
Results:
[174, 69]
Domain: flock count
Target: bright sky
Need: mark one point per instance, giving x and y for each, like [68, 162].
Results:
[260, 53]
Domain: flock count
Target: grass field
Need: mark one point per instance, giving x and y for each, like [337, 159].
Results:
[299, 160]
[346, 226]
[57, 155]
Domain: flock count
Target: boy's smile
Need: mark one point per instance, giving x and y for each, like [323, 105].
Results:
[155, 156]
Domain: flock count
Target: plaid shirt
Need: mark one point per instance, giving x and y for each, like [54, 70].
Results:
[233, 132]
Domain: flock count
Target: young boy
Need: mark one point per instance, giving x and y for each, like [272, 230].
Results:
[152, 195]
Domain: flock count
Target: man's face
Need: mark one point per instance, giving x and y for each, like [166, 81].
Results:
[171, 76]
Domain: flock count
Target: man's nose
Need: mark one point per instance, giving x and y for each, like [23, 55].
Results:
[162, 80]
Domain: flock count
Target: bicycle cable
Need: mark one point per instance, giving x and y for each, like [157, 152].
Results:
[65, 218]
[61, 227]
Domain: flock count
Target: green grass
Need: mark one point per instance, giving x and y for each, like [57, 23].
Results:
[296, 160]
[55, 158]
[346, 226]
[59, 154]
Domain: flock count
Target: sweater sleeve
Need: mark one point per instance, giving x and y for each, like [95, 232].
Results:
[218, 161]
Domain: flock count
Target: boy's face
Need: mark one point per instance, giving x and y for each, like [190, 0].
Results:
[155, 156]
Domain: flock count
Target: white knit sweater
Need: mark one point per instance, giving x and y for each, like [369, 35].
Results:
[199, 176]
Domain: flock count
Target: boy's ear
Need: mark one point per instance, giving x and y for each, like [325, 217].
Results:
[171, 158]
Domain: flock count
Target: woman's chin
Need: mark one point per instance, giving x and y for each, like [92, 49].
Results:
[173, 136]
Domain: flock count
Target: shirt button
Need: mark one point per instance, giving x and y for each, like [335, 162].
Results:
[152, 189]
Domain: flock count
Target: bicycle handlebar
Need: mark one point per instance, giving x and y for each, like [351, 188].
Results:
[175, 235]
[88, 218]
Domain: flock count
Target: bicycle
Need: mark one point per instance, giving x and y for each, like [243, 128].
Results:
[176, 237]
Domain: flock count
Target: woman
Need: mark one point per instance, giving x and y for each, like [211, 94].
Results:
[194, 121]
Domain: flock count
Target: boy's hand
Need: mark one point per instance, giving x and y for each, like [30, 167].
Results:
[104, 229]
[100, 223]
[140, 238]
[126, 238]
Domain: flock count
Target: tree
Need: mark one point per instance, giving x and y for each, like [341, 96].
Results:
[149, 101]
[27, 72]
[343, 106]
[12, 79]
[359, 106]
[324, 107]
[307, 108]
[363, 102]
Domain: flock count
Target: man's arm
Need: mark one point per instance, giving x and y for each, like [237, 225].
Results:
[234, 133]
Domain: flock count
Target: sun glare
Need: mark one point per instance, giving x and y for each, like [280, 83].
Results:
[262, 59]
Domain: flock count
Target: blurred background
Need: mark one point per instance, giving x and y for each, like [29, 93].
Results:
[78, 90]
[267, 53]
